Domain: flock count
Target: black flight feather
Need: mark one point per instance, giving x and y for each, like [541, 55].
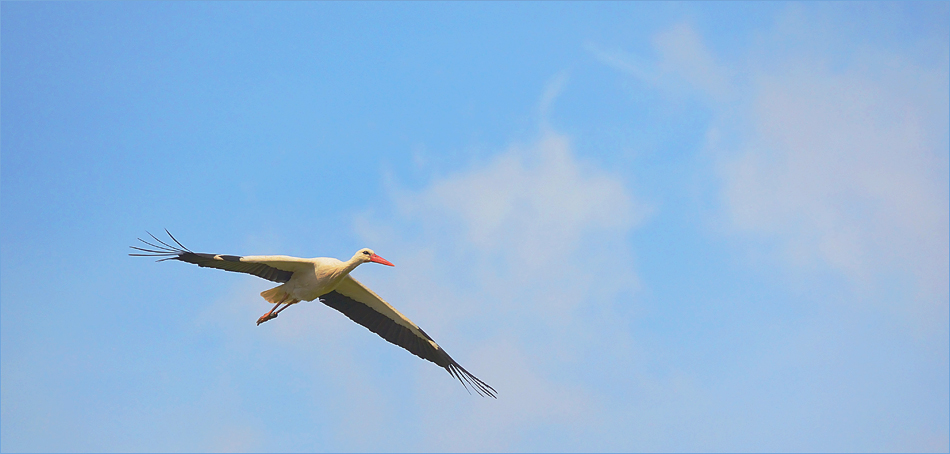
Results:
[221, 262]
[400, 335]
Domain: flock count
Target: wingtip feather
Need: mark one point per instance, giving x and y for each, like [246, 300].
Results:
[467, 379]
[165, 250]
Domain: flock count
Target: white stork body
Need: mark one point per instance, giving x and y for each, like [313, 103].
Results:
[328, 280]
[311, 277]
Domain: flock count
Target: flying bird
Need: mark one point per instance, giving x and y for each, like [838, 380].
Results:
[329, 280]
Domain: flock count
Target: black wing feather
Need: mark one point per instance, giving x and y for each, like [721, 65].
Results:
[400, 335]
[221, 262]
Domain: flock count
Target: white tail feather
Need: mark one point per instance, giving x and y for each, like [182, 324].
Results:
[277, 295]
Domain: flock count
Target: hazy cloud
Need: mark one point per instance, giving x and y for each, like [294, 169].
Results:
[682, 62]
[843, 164]
[832, 157]
[531, 202]
[848, 167]
[509, 251]
[683, 53]
[553, 89]
[625, 62]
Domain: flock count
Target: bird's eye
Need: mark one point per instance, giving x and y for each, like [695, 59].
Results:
[366, 252]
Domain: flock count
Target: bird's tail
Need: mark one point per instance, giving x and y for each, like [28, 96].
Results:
[277, 295]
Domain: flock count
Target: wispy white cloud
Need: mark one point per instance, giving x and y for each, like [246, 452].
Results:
[683, 53]
[625, 62]
[845, 165]
[531, 203]
[509, 252]
[848, 167]
[553, 89]
[682, 62]
[832, 158]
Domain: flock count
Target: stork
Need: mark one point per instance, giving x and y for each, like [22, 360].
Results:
[328, 280]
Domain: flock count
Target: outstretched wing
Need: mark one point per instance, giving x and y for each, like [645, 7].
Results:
[363, 306]
[277, 268]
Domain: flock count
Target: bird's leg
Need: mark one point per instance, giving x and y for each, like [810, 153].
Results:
[285, 307]
[270, 314]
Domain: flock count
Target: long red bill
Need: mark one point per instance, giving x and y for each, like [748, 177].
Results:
[378, 259]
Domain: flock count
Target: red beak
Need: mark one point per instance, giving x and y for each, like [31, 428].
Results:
[378, 259]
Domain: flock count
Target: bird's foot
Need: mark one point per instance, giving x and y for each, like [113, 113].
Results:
[266, 317]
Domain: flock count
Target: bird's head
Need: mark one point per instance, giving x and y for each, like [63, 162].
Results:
[367, 255]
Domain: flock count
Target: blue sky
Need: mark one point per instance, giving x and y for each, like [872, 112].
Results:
[650, 226]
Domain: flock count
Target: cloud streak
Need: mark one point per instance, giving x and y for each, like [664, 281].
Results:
[683, 63]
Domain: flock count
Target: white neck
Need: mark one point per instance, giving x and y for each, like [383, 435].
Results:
[351, 264]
